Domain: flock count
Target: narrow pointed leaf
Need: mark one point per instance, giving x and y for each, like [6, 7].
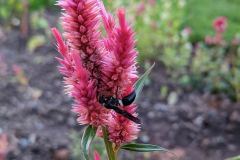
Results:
[138, 86]
[87, 138]
[144, 148]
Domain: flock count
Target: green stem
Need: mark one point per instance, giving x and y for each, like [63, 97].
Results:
[112, 155]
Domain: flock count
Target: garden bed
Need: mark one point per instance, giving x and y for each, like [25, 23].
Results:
[38, 120]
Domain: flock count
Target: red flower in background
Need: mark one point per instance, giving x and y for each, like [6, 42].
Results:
[140, 8]
[235, 41]
[220, 24]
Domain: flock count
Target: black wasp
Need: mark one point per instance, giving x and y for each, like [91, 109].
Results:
[114, 102]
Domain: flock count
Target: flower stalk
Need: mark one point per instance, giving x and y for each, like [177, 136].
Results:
[112, 154]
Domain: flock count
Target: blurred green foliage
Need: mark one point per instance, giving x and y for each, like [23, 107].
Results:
[10, 9]
[29, 16]
[40, 4]
[200, 14]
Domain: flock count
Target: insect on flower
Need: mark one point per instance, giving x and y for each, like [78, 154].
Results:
[114, 102]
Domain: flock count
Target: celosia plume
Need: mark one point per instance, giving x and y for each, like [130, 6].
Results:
[120, 73]
[220, 24]
[79, 85]
[120, 65]
[97, 67]
[80, 23]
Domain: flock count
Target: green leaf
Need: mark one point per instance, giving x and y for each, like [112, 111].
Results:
[144, 148]
[138, 86]
[87, 138]
[35, 42]
[234, 158]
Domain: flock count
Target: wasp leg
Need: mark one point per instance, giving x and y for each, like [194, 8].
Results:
[126, 114]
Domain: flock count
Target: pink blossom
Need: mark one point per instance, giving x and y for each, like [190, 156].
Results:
[96, 156]
[140, 8]
[152, 2]
[80, 22]
[109, 26]
[120, 72]
[208, 40]
[119, 67]
[4, 147]
[80, 86]
[187, 30]
[220, 24]
[121, 129]
[16, 69]
[97, 67]
[235, 41]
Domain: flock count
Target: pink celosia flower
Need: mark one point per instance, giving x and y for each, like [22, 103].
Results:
[120, 72]
[80, 86]
[220, 24]
[119, 67]
[4, 147]
[80, 23]
[122, 129]
[234, 41]
[95, 67]
[208, 40]
[96, 156]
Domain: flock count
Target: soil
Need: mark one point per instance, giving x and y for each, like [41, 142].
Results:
[38, 120]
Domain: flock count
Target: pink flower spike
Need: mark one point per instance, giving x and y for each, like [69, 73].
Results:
[62, 47]
[96, 156]
[119, 65]
[80, 22]
[220, 24]
[95, 67]
[121, 129]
